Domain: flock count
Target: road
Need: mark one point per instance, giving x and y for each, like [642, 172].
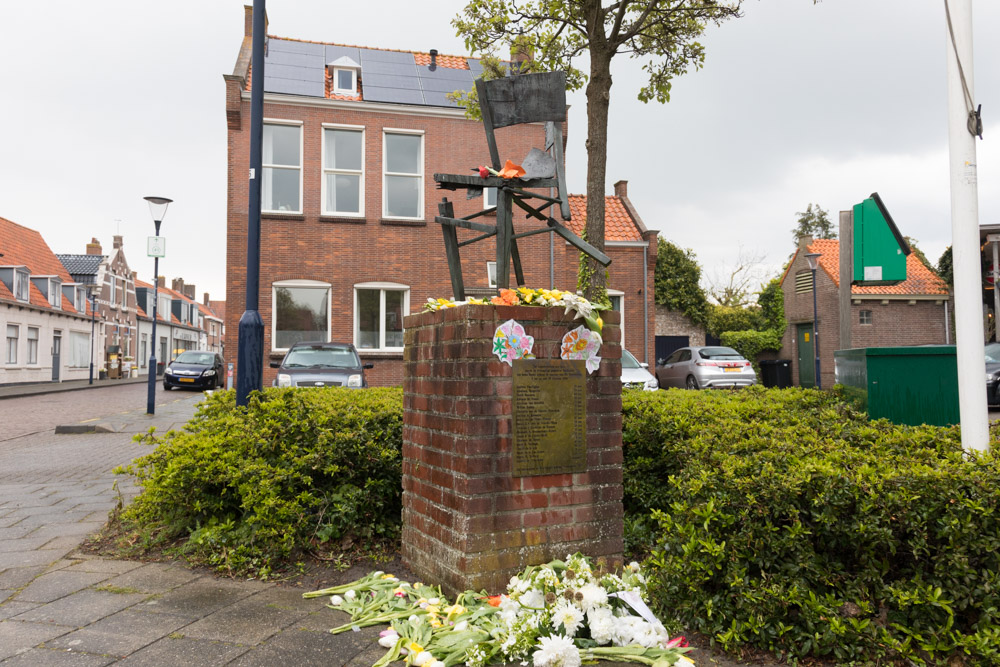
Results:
[43, 412]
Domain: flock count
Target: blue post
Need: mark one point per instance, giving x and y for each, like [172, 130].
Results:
[151, 389]
[819, 381]
[93, 323]
[250, 357]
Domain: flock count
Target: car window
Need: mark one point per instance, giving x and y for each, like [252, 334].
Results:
[673, 357]
[719, 353]
[324, 357]
[195, 358]
[629, 361]
[685, 355]
[993, 353]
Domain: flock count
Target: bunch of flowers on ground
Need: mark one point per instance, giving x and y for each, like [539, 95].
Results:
[556, 615]
[589, 312]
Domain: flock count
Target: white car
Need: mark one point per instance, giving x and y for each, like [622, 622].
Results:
[635, 375]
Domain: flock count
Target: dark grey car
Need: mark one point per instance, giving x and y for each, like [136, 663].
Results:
[321, 365]
[705, 368]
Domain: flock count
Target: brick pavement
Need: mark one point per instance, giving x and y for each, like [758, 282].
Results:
[62, 607]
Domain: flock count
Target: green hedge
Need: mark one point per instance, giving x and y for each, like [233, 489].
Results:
[786, 521]
[246, 489]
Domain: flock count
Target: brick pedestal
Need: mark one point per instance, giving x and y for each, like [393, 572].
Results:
[467, 522]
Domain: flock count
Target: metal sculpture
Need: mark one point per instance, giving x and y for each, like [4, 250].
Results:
[514, 100]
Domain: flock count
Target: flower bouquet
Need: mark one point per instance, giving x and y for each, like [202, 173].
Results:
[560, 614]
[573, 303]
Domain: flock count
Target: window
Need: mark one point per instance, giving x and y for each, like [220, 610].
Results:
[124, 294]
[21, 286]
[301, 312]
[80, 300]
[618, 305]
[143, 350]
[490, 197]
[281, 188]
[55, 292]
[345, 81]
[865, 317]
[491, 274]
[13, 333]
[32, 345]
[343, 171]
[403, 178]
[114, 285]
[379, 309]
[79, 349]
[803, 282]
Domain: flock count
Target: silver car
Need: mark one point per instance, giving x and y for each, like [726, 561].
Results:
[636, 375]
[705, 368]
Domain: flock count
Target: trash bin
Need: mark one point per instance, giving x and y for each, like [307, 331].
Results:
[776, 373]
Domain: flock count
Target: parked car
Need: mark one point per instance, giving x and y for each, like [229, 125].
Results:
[705, 368]
[319, 364]
[199, 369]
[635, 375]
[993, 374]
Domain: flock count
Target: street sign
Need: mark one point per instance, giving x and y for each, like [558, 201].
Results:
[156, 246]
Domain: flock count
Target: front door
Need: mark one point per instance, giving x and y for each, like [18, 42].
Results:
[56, 354]
[807, 357]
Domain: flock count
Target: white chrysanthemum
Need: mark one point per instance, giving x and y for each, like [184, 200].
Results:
[533, 598]
[593, 596]
[350, 595]
[602, 623]
[625, 630]
[508, 610]
[556, 651]
[422, 658]
[568, 616]
[336, 600]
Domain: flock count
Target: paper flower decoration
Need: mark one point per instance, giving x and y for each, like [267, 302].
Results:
[582, 343]
[510, 342]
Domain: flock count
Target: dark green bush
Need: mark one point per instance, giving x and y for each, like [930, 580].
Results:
[245, 489]
[789, 522]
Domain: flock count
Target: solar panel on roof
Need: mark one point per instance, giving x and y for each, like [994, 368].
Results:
[389, 81]
[437, 99]
[295, 47]
[475, 66]
[272, 71]
[395, 95]
[294, 87]
[376, 67]
[425, 72]
[445, 85]
[334, 52]
[374, 55]
[294, 59]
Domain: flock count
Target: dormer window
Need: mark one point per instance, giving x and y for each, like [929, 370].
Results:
[80, 300]
[344, 73]
[55, 292]
[21, 285]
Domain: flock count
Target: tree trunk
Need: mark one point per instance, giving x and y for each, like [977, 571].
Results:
[593, 278]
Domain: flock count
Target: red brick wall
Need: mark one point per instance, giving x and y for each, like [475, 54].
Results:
[467, 522]
[313, 247]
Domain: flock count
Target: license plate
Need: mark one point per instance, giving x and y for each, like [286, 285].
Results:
[185, 379]
[731, 369]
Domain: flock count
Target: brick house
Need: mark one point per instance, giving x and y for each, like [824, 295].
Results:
[180, 321]
[913, 312]
[114, 285]
[349, 246]
[44, 313]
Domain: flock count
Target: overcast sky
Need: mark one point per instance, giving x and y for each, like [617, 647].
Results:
[102, 103]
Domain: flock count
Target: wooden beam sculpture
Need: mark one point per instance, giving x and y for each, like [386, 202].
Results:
[514, 100]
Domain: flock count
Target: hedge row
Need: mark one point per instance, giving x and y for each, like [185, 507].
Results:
[786, 521]
[245, 490]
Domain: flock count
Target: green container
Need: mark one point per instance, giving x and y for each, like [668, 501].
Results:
[906, 385]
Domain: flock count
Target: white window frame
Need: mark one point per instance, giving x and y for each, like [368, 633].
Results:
[489, 193]
[55, 292]
[337, 90]
[293, 123]
[113, 297]
[491, 274]
[382, 287]
[33, 349]
[619, 293]
[420, 176]
[80, 300]
[309, 284]
[13, 342]
[22, 285]
[124, 291]
[332, 170]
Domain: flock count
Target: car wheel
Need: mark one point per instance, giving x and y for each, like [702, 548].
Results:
[166, 387]
[691, 383]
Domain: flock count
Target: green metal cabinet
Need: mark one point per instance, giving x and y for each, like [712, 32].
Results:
[906, 385]
[880, 249]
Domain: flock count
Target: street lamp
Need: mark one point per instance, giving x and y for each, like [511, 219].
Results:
[93, 307]
[158, 209]
[813, 259]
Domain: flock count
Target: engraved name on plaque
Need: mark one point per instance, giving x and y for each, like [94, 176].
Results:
[549, 417]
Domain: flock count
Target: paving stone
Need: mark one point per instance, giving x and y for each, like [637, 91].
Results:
[80, 529]
[12, 608]
[245, 622]
[54, 585]
[104, 565]
[4, 594]
[66, 543]
[306, 648]
[188, 652]
[323, 620]
[200, 597]
[81, 608]
[55, 658]
[154, 578]
[120, 634]
[27, 558]
[17, 577]
[18, 638]
[15, 531]
[23, 544]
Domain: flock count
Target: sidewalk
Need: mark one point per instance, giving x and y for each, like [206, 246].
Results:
[59, 606]
[38, 388]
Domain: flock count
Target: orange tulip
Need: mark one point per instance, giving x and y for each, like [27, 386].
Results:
[511, 170]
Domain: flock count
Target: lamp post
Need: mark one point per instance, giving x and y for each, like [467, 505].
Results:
[93, 307]
[813, 259]
[158, 209]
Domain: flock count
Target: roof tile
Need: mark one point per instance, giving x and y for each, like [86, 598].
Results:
[26, 247]
[618, 224]
[919, 280]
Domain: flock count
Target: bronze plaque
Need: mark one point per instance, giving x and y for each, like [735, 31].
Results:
[550, 417]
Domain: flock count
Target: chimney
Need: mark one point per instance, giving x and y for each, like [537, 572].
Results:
[805, 242]
[248, 21]
[177, 285]
[135, 274]
[189, 292]
[434, 55]
[519, 53]
[94, 247]
[116, 241]
[621, 189]
[206, 301]
[161, 281]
